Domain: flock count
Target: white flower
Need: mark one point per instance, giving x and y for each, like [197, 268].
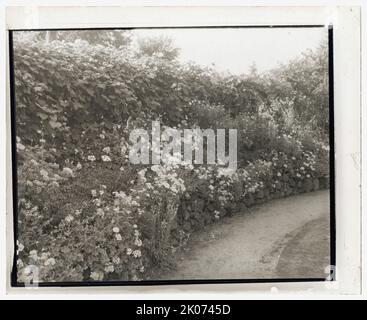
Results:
[129, 251]
[141, 175]
[69, 218]
[27, 270]
[20, 147]
[91, 158]
[138, 242]
[137, 253]
[118, 237]
[102, 136]
[20, 247]
[100, 212]
[44, 173]
[20, 263]
[33, 255]
[123, 150]
[78, 166]
[50, 261]
[106, 158]
[29, 183]
[68, 171]
[279, 174]
[97, 276]
[94, 193]
[142, 269]
[97, 202]
[116, 230]
[109, 269]
[44, 255]
[155, 168]
[116, 260]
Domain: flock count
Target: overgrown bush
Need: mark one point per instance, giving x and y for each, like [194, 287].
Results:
[86, 213]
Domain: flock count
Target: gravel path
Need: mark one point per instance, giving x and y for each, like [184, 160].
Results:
[284, 238]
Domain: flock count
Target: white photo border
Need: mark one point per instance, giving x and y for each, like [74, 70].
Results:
[346, 26]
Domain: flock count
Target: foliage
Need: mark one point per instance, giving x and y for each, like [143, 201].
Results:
[86, 213]
[304, 83]
[159, 47]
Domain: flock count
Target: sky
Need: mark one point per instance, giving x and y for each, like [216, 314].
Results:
[236, 49]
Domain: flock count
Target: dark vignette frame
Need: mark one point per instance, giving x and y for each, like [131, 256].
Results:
[332, 275]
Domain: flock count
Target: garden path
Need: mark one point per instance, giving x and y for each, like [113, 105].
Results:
[283, 238]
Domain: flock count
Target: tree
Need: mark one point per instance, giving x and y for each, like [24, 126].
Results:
[115, 38]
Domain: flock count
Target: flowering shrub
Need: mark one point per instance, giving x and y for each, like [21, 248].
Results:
[85, 212]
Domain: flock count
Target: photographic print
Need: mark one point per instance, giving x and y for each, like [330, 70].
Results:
[172, 155]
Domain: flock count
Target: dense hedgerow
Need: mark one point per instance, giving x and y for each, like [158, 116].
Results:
[86, 213]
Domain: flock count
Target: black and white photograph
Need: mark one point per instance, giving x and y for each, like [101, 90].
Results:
[172, 155]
